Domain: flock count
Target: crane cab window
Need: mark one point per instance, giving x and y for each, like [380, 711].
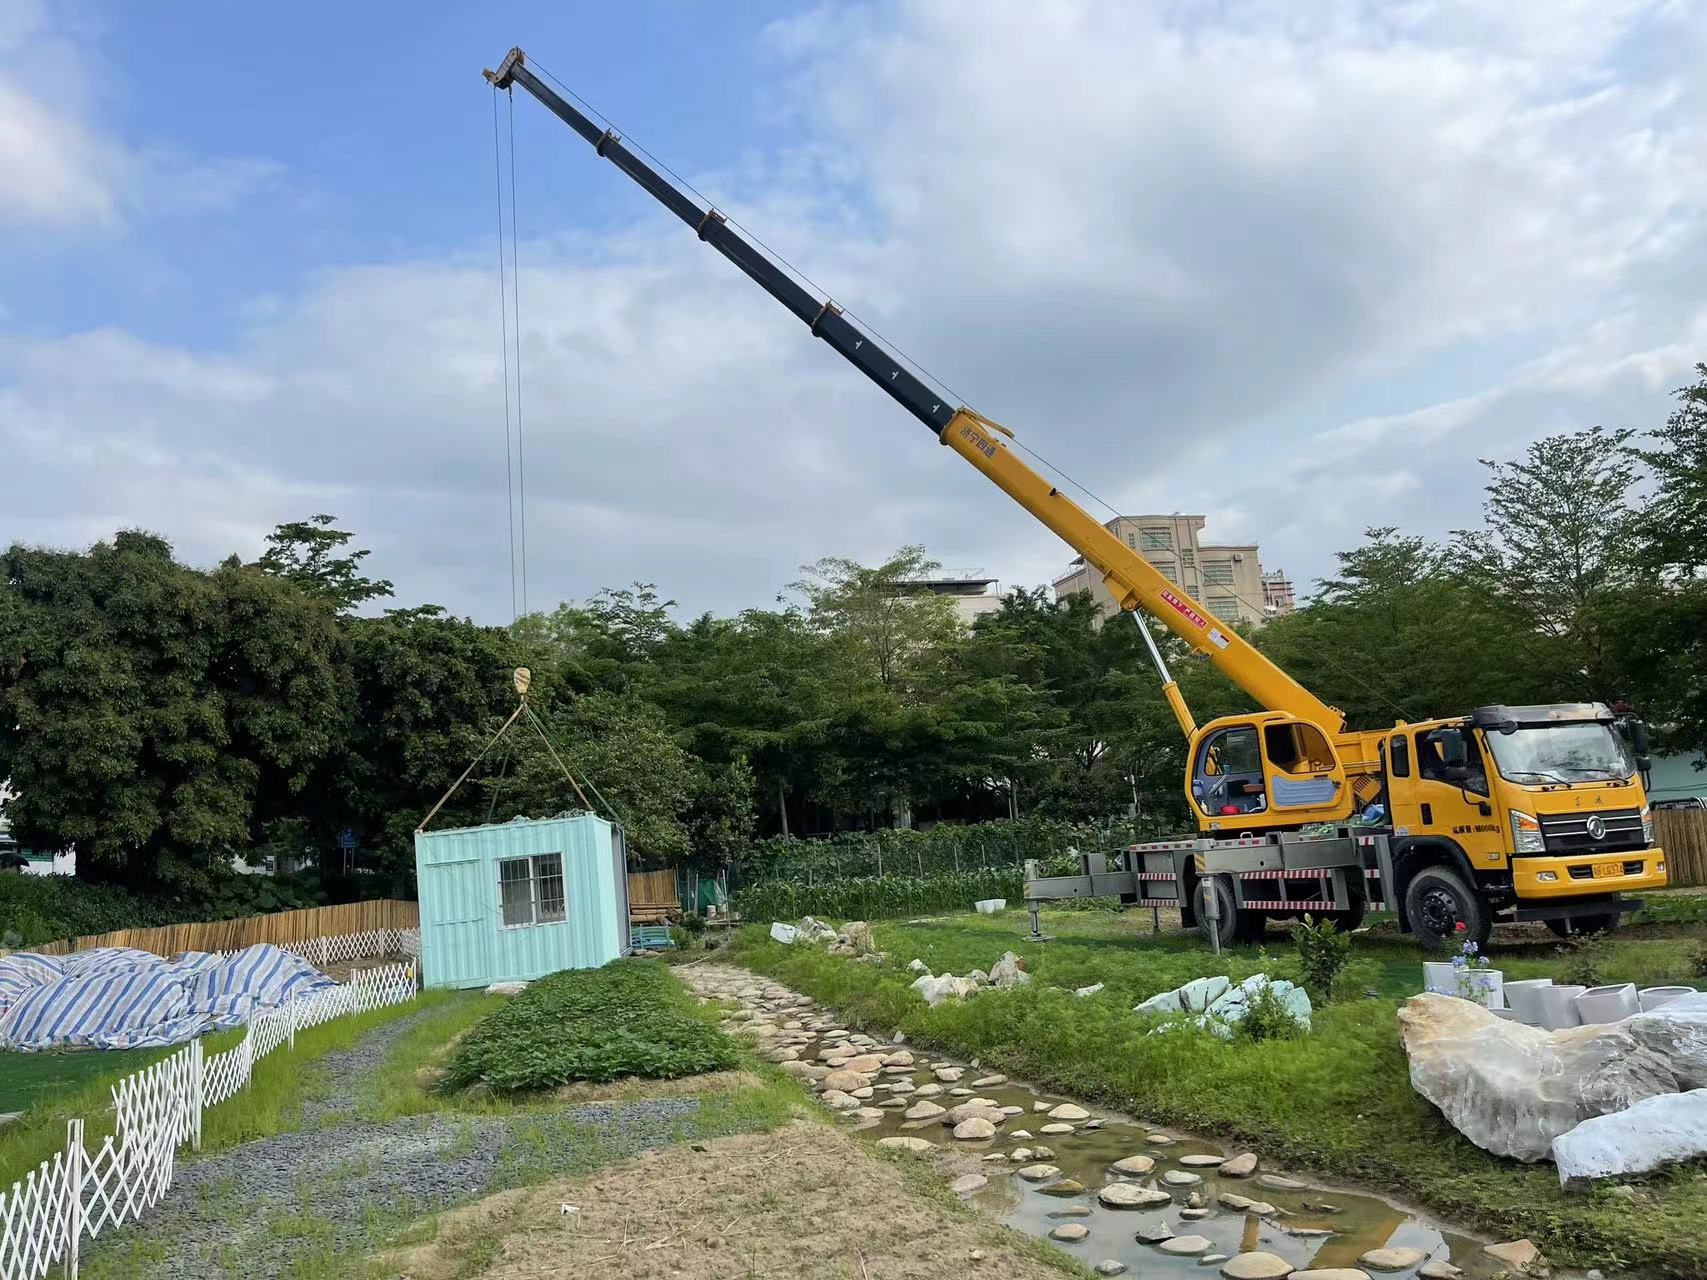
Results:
[1298, 748]
[1227, 779]
[1432, 766]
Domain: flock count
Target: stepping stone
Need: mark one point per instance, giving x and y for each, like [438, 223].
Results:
[1262, 1208]
[900, 1058]
[1020, 1155]
[1031, 1173]
[1109, 1267]
[1331, 1273]
[1159, 1140]
[863, 1113]
[1041, 1106]
[1187, 1246]
[891, 1104]
[1065, 1187]
[922, 1111]
[902, 1086]
[1130, 1195]
[1395, 1259]
[1072, 1211]
[1056, 1130]
[966, 1184]
[1180, 1178]
[1070, 1232]
[948, 1075]
[1095, 1124]
[1240, 1166]
[975, 1129]
[1013, 1111]
[1194, 1213]
[927, 1090]
[1134, 1164]
[960, 1093]
[989, 1082]
[1439, 1269]
[1275, 1182]
[1153, 1233]
[1020, 1133]
[1256, 1266]
[993, 1156]
[915, 1145]
[1067, 1111]
[1043, 1153]
[1228, 1200]
[1202, 1161]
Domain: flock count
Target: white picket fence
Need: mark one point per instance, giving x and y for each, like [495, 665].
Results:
[356, 946]
[79, 1193]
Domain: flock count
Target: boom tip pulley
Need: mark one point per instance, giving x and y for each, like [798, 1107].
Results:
[500, 79]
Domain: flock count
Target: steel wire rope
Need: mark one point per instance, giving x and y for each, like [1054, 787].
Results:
[504, 326]
[516, 305]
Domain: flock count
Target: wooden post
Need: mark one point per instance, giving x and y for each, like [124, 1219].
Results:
[782, 805]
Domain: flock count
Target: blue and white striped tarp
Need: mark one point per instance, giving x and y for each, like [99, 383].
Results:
[117, 998]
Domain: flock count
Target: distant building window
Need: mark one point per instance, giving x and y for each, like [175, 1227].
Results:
[1188, 557]
[1228, 609]
[1218, 572]
[1167, 568]
[1157, 540]
[1132, 541]
[530, 890]
[1191, 589]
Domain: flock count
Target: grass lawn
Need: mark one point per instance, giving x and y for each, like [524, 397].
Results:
[1337, 1101]
[30, 1079]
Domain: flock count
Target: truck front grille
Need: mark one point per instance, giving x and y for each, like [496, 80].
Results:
[1569, 832]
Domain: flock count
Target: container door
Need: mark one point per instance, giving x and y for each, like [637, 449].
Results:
[458, 919]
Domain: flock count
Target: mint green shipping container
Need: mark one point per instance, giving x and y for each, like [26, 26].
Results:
[517, 900]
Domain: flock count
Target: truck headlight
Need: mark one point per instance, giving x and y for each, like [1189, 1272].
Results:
[1647, 826]
[1525, 832]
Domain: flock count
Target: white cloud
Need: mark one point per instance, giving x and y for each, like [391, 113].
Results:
[1293, 267]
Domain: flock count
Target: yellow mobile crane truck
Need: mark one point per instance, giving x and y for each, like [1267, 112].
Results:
[1536, 811]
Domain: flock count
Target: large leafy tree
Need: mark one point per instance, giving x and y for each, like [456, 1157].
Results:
[1672, 529]
[312, 555]
[154, 714]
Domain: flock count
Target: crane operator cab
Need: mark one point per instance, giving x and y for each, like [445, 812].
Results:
[1264, 771]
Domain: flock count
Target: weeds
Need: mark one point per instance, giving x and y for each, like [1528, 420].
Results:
[1323, 951]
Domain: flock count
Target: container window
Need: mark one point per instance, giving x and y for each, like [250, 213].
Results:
[530, 890]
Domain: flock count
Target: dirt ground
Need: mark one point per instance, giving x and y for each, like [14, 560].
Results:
[803, 1200]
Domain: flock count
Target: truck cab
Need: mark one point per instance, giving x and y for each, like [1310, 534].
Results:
[1539, 809]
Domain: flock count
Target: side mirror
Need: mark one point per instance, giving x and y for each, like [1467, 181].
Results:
[1454, 753]
[1639, 737]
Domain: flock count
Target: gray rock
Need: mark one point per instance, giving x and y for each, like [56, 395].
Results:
[974, 1129]
[1037, 1172]
[1655, 1132]
[1240, 1166]
[1187, 1246]
[1399, 1258]
[1110, 1267]
[1068, 1111]
[947, 987]
[1153, 1233]
[1180, 1178]
[917, 1146]
[1134, 1165]
[967, 1183]
[1203, 1161]
[1256, 1265]
[1070, 1232]
[1677, 1032]
[1275, 1182]
[1007, 972]
[1510, 1088]
[1129, 1195]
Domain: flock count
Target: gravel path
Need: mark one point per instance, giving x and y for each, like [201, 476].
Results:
[331, 1190]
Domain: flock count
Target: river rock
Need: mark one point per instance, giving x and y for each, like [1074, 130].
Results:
[967, 1183]
[787, 1054]
[946, 987]
[1013, 1111]
[974, 1129]
[1510, 1088]
[863, 1113]
[1129, 1195]
[1043, 1152]
[1332, 1273]
[1020, 1155]
[1441, 1269]
[1180, 1178]
[1037, 1172]
[1065, 1187]
[1256, 1265]
[1133, 1165]
[903, 1085]
[1195, 1212]
[974, 1111]
[900, 1058]
[916, 1145]
[1240, 1166]
[1159, 1140]
[1187, 1246]
[1153, 1233]
[1654, 1132]
[1274, 1182]
[1521, 1254]
[800, 1069]
[949, 1075]
[929, 1090]
[1056, 1129]
[989, 1082]
[922, 1111]
[867, 1063]
[846, 1080]
[1009, 971]
[1202, 1161]
[1067, 1111]
[1109, 1266]
[1398, 1258]
[836, 1100]
[1233, 1201]
[1070, 1232]
[1041, 1105]
[1677, 1032]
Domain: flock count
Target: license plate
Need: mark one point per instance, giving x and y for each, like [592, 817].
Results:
[1606, 870]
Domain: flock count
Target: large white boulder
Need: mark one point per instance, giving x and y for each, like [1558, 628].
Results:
[783, 932]
[947, 987]
[1677, 1031]
[1230, 1007]
[1006, 972]
[1512, 1089]
[1655, 1132]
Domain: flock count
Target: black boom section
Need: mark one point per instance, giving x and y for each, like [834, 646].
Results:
[824, 319]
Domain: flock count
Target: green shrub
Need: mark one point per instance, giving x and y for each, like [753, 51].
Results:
[1585, 956]
[630, 1018]
[1267, 1018]
[874, 898]
[39, 909]
[1323, 951]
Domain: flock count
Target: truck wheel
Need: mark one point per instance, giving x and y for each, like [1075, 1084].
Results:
[1437, 902]
[1352, 917]
[1581, 926]
[1228, 925]
[1250, 926]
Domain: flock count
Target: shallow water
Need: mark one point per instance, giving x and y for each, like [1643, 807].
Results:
[1317, 1227]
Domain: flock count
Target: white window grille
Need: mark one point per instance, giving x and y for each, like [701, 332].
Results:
[1219, 572]
[1157, 540]
[530, 890]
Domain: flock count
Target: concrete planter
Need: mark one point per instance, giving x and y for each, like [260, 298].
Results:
[989, 906]
[1653, 997]
[1524, 999]
[1558, 1006]
[1440, 977]
[1608, 1004]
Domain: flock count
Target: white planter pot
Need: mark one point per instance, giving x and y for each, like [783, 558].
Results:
[1654, 997]
[989, 906]
[1558, 1006]
[1438, 976]
[1524, 1000]
[1608, 1004]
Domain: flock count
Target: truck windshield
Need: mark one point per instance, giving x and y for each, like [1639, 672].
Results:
[1561, 753]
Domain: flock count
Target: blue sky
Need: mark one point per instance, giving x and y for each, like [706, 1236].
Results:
[1296, 268]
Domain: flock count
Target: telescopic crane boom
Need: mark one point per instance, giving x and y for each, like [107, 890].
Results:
[1132, 581]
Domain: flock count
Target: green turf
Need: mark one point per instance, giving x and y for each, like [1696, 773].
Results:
[31, 1079]
[1338, 1101]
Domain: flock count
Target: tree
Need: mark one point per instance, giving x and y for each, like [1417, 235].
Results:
[152, 714]
[889, 632]
[1672, 529]
[304, 552]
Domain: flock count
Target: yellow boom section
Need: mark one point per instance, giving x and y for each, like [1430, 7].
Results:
[1132, 580]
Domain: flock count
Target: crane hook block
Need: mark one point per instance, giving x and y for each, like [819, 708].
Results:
[500, 79]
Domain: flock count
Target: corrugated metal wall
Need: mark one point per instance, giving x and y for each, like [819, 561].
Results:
[464, 941]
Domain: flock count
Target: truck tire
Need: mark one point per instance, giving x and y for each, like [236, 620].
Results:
[1352, 917]
[1437, 901]
[1228, 925]
[1582, 926]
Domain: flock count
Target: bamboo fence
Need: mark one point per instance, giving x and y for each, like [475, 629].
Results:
[1682, 833]
[652, 896]
[280, 928]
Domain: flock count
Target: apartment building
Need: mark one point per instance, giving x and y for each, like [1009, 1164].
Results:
[971, 594]
[1226, 577]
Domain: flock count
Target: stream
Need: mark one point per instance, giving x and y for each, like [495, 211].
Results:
[1308, 1223]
